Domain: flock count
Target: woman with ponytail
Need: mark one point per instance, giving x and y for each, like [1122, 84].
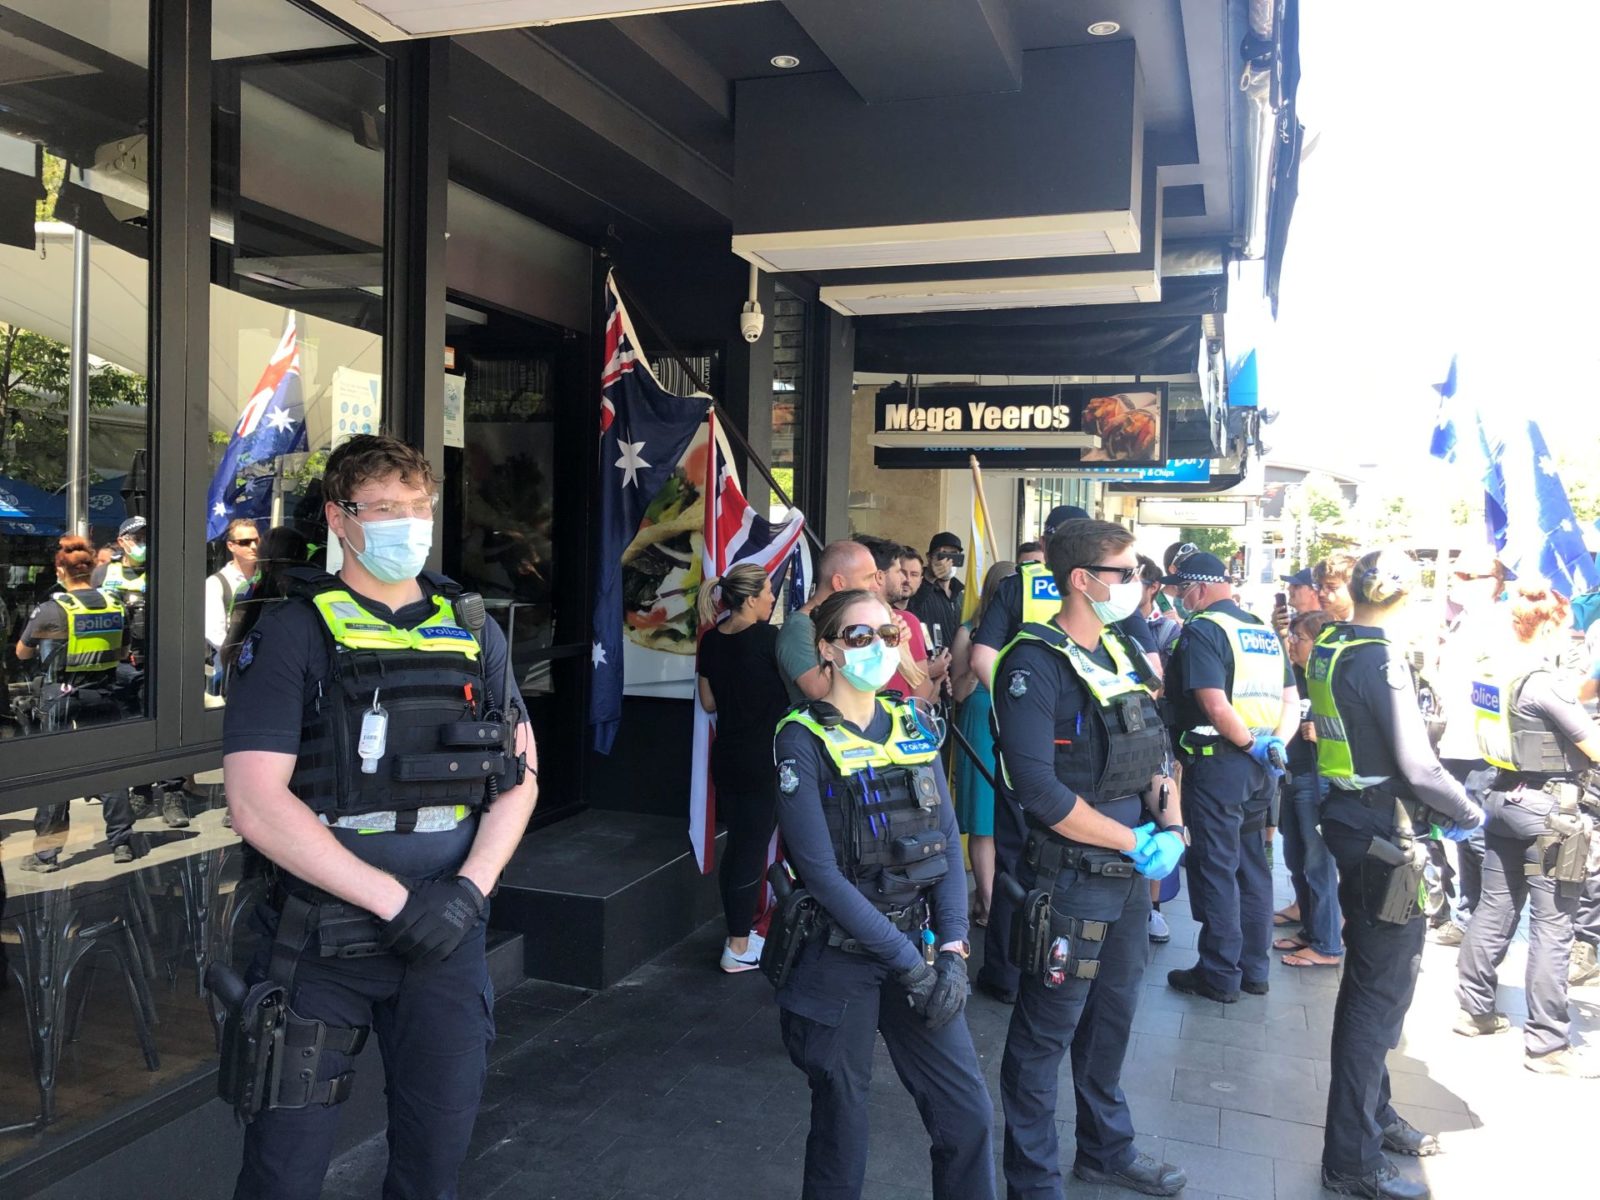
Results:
[740, 682]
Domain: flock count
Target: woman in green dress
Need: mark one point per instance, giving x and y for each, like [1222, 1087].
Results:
[973, 796]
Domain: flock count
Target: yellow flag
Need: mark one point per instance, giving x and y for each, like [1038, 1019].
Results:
[978, 542]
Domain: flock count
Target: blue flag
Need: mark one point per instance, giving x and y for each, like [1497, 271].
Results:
[1530, 519]
[644, 431]
[272, 424]
[1445, 438]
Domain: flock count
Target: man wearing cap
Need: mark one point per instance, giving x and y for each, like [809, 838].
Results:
[1302, 597]
[1233, 708]
[1028, 597]
[937, 603]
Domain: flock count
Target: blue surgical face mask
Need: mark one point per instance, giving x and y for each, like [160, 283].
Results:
[868, 668]
[396, 550]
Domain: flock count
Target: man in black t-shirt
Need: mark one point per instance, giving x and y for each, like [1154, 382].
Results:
[937, 602]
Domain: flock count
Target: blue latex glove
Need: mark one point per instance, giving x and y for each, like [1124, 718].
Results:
[1262, 751]
[1155, 854]
[1455, 832]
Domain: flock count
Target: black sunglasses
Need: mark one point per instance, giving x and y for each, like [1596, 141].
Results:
[1123, 574]
[857, 636]
[246, 541]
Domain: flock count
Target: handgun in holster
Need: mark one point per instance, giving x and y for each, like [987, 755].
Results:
[796, 919]
[1402, 894]
[1030, 924]
[1561, 854]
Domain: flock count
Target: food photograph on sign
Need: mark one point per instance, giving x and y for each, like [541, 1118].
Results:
[1128, 425]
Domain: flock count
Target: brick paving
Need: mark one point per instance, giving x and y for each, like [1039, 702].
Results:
[674, 1084]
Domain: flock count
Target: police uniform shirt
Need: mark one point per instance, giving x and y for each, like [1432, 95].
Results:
[1203, 658]
[1377, 700]
[1039, 704]
[1003, 619]
[804, 774]
[273, 691]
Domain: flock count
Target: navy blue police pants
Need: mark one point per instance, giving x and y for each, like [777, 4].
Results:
[1091, 1016]
[434, 1026]
[831, 1010]
[1225, 794]
[1381, 960]
[1010, 835]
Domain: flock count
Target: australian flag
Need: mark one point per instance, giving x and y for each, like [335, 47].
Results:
[273, 424]
[1530, 518]
[644, 430]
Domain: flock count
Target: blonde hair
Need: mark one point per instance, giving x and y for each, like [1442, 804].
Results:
[742, 582]
[1384, 578]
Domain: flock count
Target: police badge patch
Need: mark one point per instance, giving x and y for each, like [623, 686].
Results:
[247, 652]
[788, 777]
[1397, 675]
[1019, 684]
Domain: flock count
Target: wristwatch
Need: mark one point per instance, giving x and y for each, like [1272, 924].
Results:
[1180, 831]
[963, 948]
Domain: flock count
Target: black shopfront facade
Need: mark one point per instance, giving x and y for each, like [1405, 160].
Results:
[181, 183]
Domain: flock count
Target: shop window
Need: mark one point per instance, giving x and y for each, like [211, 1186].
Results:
[297, 305]
[789, 352]
[74, 358]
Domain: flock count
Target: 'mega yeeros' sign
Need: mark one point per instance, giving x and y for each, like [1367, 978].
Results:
[931, 426]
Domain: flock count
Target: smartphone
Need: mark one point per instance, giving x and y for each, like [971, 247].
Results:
[1281, 599]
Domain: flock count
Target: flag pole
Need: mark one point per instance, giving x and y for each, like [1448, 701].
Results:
[983, 507]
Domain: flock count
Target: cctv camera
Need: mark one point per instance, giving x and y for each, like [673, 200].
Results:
[751, 322]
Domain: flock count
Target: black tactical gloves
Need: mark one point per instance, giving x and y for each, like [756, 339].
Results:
[938, 993]
[435, 919]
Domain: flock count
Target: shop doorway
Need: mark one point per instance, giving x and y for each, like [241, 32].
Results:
[516, 515]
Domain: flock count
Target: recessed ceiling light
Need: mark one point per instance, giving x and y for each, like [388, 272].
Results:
[1104, 28]
[785, 61]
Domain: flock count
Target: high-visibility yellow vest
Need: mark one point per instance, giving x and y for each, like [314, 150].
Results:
[94, 634]
[1335, 762]
[1257, 670]
[1041, 599]
[1507, 740]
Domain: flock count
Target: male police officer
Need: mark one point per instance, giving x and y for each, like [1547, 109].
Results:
[1079, 742]
[1028, 597]
[1234, 704]
[371, 721]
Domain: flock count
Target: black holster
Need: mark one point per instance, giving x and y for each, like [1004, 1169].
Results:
[1035, 925]
[796, 920]
[270, 1054]
[1562, 853]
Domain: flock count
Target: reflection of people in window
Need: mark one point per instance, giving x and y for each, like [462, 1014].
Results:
[224, 587]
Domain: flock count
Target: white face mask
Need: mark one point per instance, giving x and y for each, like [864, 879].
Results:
[1121, 602]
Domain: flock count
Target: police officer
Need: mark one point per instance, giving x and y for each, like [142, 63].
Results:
[1234, 707]
[126, 580]
[1388, 787]
[1079, 743]
[372, 752]
[1028, 597]
[1540, 739]
[76, 636]
[868, 827]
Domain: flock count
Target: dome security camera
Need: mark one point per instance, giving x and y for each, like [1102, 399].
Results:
[751, 322]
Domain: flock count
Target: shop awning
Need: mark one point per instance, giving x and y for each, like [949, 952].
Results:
[26, 510]
[1145, 339]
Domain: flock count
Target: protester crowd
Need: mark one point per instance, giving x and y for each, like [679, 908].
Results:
[1425, 770]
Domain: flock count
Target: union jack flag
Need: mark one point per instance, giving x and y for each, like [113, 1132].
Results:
[734, 534]
[272, 424]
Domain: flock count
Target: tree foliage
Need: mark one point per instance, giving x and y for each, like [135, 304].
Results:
[35, 374]
[1213, 539]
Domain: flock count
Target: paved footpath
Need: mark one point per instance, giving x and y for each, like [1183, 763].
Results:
[674, 1083]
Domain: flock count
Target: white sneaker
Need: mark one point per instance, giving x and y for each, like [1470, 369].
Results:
[1159, 933]
[748, 961]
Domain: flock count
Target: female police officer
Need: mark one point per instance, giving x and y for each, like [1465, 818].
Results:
[1532, 728]
[868, 826]
[1388, 788]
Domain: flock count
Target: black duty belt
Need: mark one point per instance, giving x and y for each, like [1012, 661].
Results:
[906, 920]
[1049, 855]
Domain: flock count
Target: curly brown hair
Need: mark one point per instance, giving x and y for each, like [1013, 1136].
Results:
[1535, 607]
[369, 456]
[74, 559]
